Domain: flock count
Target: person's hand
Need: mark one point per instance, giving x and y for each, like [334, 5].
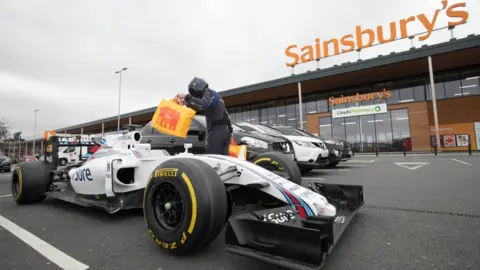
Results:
[181, 95]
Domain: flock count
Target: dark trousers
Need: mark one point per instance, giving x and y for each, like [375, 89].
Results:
[218, 140]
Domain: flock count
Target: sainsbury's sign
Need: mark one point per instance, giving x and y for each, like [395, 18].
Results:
[362, 110]
[365, 37]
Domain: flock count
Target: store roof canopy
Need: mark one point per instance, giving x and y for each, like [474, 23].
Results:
[456, 53]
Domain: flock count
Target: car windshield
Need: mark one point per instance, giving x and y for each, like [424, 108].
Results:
[287, 131]
[269, 130]
[248, 128]
[304, 133]
[237, 128]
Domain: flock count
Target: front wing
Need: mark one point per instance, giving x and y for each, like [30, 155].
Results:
[281, 237]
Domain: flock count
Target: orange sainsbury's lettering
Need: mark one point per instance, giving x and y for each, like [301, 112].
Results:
[384, 94]
[366, 37]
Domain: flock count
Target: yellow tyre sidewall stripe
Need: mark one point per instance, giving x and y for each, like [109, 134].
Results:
[262, 159]
[194, 202]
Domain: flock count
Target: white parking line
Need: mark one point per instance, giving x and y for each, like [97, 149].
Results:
[313, 178]
[54, 255]
[461, 161]
[5, 196]
[359, 161]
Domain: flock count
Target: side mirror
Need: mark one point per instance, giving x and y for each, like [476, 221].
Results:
[149, 140]
[201, 136]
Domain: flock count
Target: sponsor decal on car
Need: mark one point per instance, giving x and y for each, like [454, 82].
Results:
[83, 174]
[166, 172]
[279, 217]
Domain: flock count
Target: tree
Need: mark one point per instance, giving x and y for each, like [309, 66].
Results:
[4, 130]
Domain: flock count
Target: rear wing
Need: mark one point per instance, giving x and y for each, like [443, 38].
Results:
[52, 145]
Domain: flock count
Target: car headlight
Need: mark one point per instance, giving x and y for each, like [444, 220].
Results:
[330, 142]
[322, 145]
[255, 143]
[306, 144]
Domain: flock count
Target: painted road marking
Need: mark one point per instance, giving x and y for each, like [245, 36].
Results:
[54, 255]
[5, 196]
[359, 161]
[461, 161]
[408, 165]
[313, 178]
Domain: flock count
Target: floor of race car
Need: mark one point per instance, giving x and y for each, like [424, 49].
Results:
[421, 218]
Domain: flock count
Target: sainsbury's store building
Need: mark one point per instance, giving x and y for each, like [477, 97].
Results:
[383, 103]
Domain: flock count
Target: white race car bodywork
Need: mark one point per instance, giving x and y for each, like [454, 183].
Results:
[122, 165]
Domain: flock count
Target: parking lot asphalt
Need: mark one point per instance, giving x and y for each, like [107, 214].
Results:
[420, 213]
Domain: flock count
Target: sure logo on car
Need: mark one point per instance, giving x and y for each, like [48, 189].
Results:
[166, 172]
[279, 217]
[83, 174]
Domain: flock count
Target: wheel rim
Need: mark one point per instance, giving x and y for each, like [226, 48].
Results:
[168, 205]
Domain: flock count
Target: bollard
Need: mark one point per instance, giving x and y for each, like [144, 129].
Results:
[404, 151]
[435, 149]
[469, 148]
[376, 150]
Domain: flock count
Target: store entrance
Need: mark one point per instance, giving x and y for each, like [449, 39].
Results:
[389, 132]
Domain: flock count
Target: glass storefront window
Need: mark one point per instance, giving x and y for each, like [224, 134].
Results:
[470, 83]
[322, 105]
[367, 133]
[383, 128]
[238, 115]
[352, 130]
[452, 85]
[419, 89]
[263, 114]
[406, 92]
[281, 113]
[439, 88]
[246, 114]
[401, 130]
[255, 115]
[338, 128]
[395, 98]
[272, 113]
[291, 118]
[325, 126]
[311, 104]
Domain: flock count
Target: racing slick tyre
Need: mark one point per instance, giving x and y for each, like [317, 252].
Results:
[30, 182]
[185, 205]
[280, 164]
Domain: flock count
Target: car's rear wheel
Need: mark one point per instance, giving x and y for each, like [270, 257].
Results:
[185, 205]
[279, 164]
[30, 182]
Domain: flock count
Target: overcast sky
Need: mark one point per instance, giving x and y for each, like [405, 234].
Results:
[60, 56]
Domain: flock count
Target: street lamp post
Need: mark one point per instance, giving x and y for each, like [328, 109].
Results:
[34, 131]
[119, 96]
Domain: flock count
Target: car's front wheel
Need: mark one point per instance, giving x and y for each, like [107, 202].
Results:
[185, 205]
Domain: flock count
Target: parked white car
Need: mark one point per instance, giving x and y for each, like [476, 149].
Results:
[311, 153]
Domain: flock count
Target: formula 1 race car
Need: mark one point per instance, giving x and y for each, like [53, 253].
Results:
[188, 199]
